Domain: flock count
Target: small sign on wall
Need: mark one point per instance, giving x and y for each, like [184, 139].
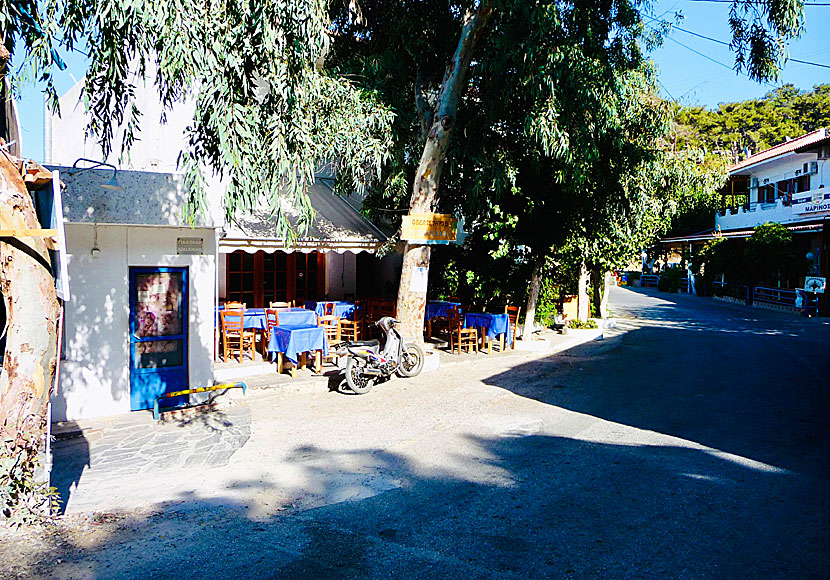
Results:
[418, 282]
[191, 246]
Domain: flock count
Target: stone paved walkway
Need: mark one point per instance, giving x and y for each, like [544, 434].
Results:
[135, 445]
[111, 451]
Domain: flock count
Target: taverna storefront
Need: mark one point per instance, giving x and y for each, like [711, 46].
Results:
[141, 318]
[145, 285]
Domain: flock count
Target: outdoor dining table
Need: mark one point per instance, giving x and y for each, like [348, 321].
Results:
[293, 341]
[296, 316]
[438, 308]
[341, 309]
[491, 326]
[252, 318]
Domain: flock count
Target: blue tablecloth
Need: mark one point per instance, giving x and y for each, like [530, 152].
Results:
[439, 308]
[254, 318]
[296, 317]
[341, 309]
[291, 340]
[494, 324]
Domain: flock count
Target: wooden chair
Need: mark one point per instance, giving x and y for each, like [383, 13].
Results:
[328, 308]
[235, 306]
[272, 319]
[461, 337]
[234, 336]
[331, 326]
[513, 314]
[381, 308]
[279, 305]
[350, 329]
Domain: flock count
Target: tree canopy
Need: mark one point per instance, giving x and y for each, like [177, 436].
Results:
[737, 130]
[267, 113]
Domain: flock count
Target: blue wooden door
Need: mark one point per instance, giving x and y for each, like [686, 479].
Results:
[158, 334]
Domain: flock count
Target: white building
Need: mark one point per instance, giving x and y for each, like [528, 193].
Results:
[783, 184]
[787, 184]
[145, 285]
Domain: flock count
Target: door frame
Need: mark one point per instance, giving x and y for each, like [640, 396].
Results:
[184, 308]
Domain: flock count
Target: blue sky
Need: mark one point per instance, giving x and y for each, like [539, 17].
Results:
[693, 79]
[687, 73]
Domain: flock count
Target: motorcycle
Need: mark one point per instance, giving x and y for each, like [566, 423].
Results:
[366, 363]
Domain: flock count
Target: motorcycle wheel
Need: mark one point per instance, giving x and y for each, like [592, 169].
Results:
[412, 360]
[358, 382]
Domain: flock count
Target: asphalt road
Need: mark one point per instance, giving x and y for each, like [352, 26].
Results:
[691, 443]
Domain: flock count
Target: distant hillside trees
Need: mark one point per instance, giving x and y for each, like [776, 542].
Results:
[737, 130]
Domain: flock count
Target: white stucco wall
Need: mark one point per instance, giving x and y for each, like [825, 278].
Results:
[774, 171]
[156, 150]
[95, 376]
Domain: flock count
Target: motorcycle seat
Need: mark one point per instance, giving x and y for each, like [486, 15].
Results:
[373, 342]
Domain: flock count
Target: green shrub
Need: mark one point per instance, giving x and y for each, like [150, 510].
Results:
[671, 280]
[575, 323]
[547, 305]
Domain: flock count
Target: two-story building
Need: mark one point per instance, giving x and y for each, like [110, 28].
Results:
[787, 184]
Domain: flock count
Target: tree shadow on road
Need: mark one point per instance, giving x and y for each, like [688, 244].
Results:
[512, 505]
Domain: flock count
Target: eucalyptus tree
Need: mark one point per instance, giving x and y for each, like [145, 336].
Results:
[447, 89]
[268, 111]
[267, 115]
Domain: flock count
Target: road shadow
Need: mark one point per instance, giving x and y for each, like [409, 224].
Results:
[524, 506]
[669, 454]
[748, 383]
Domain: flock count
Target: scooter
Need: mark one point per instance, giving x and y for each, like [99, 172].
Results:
[365, 363]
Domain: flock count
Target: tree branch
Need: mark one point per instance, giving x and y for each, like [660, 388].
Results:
[424, 112]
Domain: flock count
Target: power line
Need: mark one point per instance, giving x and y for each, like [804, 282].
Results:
[810, 63]
[733, 2]
[706, 56]
[709, 38]
[665, 88]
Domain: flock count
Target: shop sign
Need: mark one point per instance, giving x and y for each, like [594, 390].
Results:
[815, 284]
[816, 202]
[191, 246]
[429, 228]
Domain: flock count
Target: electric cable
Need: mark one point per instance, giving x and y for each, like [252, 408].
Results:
[704, 37]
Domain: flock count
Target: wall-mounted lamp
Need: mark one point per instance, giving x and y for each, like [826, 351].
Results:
[813, 259]
[95, 251]
[112, 184]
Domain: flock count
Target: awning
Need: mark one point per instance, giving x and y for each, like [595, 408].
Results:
[798, 229]
[337, 227]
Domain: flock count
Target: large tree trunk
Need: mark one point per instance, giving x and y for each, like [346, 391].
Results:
[596, 284]
[600, 281]
[583, 308]
[32, 310]
[533, 295]
[411, 303]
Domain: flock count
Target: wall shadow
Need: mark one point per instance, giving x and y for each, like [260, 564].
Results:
[70, 457]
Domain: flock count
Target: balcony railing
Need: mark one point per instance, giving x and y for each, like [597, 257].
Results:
[800, 206]
[775, 296]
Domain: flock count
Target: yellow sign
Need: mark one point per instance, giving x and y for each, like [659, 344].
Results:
[429, 228]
